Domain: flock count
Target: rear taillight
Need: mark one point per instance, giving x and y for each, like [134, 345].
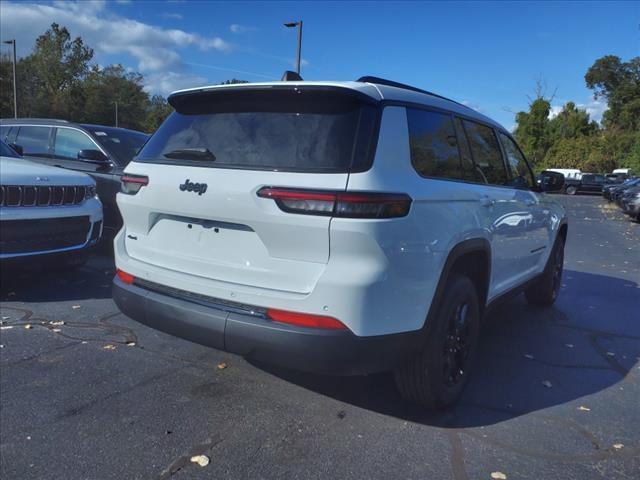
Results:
[131, 184]
[339, 204]
[305, 319]
[125, 277]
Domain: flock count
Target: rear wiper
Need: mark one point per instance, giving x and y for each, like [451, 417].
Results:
[191, 154]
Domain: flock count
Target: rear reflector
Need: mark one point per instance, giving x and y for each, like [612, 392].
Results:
[305, 319]
[339, 204]
[131, 184]
[125, 277]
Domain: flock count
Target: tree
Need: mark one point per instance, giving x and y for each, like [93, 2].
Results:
[157, 111]
[532, 129]
[571, 122]
[233, 81]
[103, 87]
[58, 65]
[619, 83]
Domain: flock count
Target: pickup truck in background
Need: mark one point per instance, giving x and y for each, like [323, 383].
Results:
[588, 183]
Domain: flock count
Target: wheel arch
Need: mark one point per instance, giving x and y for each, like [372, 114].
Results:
[470, 257]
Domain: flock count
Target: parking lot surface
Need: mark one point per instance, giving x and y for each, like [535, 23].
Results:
[87, 393]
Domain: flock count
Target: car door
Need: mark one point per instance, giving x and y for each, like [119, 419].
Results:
[504, 211]
[538, 226]
[67, 143]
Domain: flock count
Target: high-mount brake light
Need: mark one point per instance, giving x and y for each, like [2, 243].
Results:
[338, 204]
[305, 319]
[131, 184]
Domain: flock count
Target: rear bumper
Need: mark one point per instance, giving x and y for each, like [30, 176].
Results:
[257, 338]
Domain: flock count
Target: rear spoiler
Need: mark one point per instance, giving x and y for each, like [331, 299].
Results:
[179, 100]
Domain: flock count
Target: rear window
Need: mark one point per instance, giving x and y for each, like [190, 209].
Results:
[124, 144]
[288, 129]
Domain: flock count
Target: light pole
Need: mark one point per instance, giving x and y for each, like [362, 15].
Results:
[299, 25]
[15, 88]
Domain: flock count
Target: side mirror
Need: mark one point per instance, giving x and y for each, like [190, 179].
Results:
[94, 156]
[18, 148]
[551, 181]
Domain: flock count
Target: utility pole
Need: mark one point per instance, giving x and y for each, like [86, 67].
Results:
[15, 87]
[116, 114]
[299, 25]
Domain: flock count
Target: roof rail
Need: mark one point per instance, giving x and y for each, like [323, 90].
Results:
[391, 83]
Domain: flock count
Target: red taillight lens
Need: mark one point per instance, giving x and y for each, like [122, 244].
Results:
[339, 204]
[131, 184]
[305, 319]
[125, 277]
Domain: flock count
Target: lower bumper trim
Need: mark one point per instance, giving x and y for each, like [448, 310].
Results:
[307, 349]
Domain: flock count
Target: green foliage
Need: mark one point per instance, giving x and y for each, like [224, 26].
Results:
[619, 83]
[532, 129]
[571, 122]
[158, 110]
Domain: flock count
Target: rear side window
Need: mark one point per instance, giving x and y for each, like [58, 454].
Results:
[486, 153]
[289, 129]
[433, 144]
[520, 173]
[34, 140]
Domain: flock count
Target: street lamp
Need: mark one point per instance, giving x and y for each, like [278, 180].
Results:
[15, 90]
[299, 25]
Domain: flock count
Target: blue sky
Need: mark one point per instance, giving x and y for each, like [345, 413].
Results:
[486, 54]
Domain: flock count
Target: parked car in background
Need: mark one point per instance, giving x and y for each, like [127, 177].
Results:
[631, 203]
[335, 227]
[615, 178]
[588, 183]
[616, 193]
[569, 173]
[45, 212]
[97, 150]
[610, 191]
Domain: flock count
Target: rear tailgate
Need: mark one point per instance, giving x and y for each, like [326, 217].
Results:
[200, 213]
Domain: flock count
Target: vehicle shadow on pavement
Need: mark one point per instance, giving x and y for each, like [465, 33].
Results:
[36, 283]
[529, 358]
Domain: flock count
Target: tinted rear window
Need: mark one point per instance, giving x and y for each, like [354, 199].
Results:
[289, 129]
[124, 144]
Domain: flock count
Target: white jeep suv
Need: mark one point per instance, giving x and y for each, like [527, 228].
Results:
[334, 227]
[45, 212]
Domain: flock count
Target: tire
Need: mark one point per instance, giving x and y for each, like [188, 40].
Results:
[571, 190]
[436, 376]
[545, 291]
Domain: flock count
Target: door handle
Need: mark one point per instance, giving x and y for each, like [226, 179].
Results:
[487, 201]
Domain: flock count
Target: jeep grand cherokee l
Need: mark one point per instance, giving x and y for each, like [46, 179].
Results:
[45, 212]
[334, 227]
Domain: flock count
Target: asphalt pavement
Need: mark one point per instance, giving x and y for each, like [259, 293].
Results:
[86, 393]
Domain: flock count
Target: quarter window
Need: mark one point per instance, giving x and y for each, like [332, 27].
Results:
[469, 169]
[69, 142]
[520, 173]
[433, 143]
[34, 141]
[486, 153]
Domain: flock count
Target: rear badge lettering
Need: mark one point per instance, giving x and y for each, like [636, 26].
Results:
[189, 186]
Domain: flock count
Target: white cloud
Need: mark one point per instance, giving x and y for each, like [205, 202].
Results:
[173, 16]
[154, 48]
[166, 82]
[554, 111]
[236, 28]
[595, 107]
